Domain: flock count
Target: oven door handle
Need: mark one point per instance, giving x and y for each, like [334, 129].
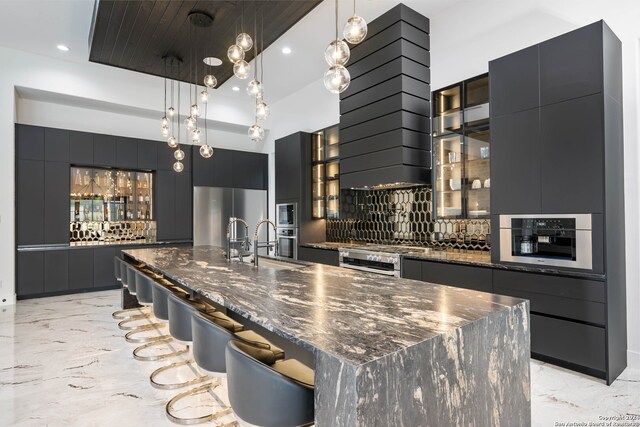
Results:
[369, 270]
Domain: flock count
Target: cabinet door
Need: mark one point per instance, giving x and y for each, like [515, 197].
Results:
[165, 209]
[320, 256]
[80, 269]
[127, 153]
[103, 267]
[81, 148]
[166, 157]
[30, 142]
[147, 155]
[56, 271]
[462, 276]
[203, 168]
[56, 145]
[572, 156]
[514, 83]
[515, 163]
[248, 170]
[571, 65]
[56, 202]
[412, 269]
[30, 273]
[223, 168]
[184, 207]
[288, 167]
[30, 202]
[104, 150]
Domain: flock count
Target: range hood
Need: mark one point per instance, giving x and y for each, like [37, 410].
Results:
[385, 125]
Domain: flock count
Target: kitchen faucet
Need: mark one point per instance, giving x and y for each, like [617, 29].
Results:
[268, 244]
[246, 243]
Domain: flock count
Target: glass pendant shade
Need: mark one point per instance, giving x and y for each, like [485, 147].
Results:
[195, 135]
[355, 30]
[256, 133]
[254, 88]
[337, 79]
[178, 167]
[244, 41]
[206, 151]
[179, 154]
[171, 111]
[262, 110]
[172, 141]
[210, 81]
[204, 96]
[241, 69]
[189, 122]
[195, 110]
[235, 53]
[165, 132]
[337, 53]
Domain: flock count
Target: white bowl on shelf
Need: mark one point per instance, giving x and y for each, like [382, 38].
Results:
[455, 184]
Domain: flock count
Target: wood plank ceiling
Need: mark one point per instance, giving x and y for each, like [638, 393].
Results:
[137, 35]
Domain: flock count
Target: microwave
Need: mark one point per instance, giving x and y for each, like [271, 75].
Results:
[560, 240]
[286, 215]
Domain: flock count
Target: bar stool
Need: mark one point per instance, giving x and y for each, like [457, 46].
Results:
[181, 311]
[210, 333]
[130, 276]
[144, 288]
[266, 392]
[120, 272]
[161, 289]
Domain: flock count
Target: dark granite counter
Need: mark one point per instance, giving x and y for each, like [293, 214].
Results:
[377, 339]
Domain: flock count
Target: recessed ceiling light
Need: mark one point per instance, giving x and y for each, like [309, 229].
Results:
[212, 61]
[235, 88]
[63, 48]
[286, 50]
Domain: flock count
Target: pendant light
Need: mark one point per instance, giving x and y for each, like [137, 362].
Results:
[178, 166]
[262, 108]
[355, 30]
[336, 78]
[164, 123]
[206, 150]
[235, 53]
[254, 88]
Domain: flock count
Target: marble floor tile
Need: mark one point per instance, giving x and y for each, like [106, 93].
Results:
[64, 362]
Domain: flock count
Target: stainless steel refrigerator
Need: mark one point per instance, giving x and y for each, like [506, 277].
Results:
[213, 206]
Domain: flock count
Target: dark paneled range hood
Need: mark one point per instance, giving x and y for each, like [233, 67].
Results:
[385, 139]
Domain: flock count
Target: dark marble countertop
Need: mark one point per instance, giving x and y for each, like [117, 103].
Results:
[59, 247]
[354, 316]
[465, 257]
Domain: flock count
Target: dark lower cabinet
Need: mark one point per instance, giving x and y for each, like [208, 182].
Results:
[103, 275]
[30, 274]
[412, 269]
[320, 256]
[56, 271]
[81, 269]
[461, 276]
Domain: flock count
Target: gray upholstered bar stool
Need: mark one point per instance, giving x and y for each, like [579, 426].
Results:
[210, 333]
[130, 275]
[162, 288]
[181, 310]
[120, 268]
[266, 392]
[144, 293]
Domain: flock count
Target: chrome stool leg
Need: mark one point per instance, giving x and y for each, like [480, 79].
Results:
[198, 420]
[124, 314]
[164, 386]
[123, 324]
[129, 337]
[161, 340]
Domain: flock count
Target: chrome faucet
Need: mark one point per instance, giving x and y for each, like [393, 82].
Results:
[268, 244]
[246, 243]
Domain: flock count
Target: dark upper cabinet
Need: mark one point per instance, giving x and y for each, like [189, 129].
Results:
[80, 268]
[103, 267]
[126, 153]
[572, 150]
[147, 155]
[288, 167]
[80, 148]
[56, 203]
[203, 168]
[165, 211]
[222, 168]
[514, 83]
[30, 273]
[249, 170]
[183, 206]
[104, 150]
[30, 190]
[165, 157]
[56, 271]
[56, 145]
[571, 65]
[515, 163]
[30, 142]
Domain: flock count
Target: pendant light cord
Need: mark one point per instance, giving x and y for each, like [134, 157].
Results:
[261, 47]
[354, 7]
[179, 84]
[255, 44]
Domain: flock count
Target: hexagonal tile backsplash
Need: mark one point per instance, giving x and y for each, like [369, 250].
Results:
[111, 232]
[403, 217]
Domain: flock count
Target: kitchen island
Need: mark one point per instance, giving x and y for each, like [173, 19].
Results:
[388, 352]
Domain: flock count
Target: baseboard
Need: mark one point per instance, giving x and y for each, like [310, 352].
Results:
[633, 359]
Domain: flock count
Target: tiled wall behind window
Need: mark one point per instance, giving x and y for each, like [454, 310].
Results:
[404, 217]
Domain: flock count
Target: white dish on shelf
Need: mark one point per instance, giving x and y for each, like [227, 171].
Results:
[455, 184]
[479, 212]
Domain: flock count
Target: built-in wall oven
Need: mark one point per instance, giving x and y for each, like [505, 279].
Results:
[287, 215]
[287, 221]
[561, 240]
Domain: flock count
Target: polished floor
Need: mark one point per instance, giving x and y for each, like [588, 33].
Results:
[64, 362]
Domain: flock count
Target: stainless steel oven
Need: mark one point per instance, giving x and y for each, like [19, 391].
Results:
[288, 242]
[370, 260]
[287, 215]
[561, 240]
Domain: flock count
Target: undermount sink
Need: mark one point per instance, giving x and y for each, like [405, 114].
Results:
[277, 265]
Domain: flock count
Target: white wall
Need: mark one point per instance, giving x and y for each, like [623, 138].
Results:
[59, 84]
[464, 38]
